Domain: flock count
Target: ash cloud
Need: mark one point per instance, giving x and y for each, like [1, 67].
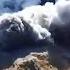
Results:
[60, 28]
[27, 27]
[36, 25]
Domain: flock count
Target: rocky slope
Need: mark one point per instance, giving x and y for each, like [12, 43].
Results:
[34, 61]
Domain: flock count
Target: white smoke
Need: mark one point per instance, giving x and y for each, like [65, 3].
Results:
[63, 10]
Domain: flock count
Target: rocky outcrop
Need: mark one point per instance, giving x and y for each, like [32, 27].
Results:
[34, 61]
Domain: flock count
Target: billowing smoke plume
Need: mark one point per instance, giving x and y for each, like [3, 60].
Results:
[28, 26]
[37, 25]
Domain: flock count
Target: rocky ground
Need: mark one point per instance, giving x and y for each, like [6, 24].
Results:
[34, 61]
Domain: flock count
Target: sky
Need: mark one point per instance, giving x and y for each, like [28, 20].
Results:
[17, 5]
